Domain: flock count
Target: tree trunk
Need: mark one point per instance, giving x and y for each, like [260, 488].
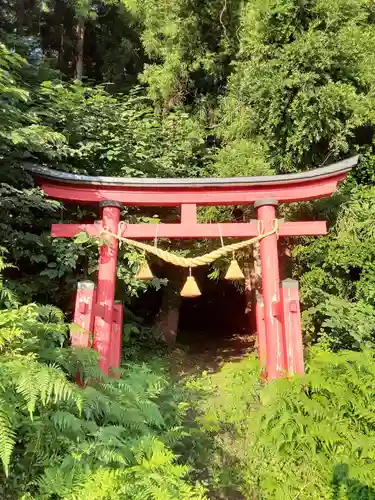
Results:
[61, 48]
[80, 32]
[20, 14]
[252, 283]
[285, 257]
[247, 270]
[167, 319]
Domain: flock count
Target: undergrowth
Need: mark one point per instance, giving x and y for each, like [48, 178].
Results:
[112, 439]
[144, 436]
[311, 437]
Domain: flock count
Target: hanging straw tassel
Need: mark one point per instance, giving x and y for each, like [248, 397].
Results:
[145, 272]
[190, 289]
[234, 271]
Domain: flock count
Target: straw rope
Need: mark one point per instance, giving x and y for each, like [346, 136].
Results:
[177, 260]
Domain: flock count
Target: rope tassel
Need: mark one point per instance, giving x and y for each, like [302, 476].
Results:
[144, 272]
[234, 271]
[190, 289]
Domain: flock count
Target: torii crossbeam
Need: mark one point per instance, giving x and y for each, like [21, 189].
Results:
[278, 317]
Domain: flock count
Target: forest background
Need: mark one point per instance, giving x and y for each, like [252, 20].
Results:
[172, 88]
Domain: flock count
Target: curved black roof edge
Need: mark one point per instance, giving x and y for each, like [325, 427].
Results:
[317, 173]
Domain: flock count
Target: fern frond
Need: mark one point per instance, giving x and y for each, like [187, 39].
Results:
[150, 413]
[7, 436]
[66, 421]
[99, 485]
[42, 383]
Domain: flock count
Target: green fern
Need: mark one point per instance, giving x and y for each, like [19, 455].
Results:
[289, 436]
[7, 296]
[7, 436]
[41, 383]
[68, 438]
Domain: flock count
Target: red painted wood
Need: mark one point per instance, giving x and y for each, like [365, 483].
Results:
[116, 338]
[106, 288]
[171, 196]
[71, 230]
[275, 309]
[271, 295]
[83, 314]
[189, 214]
[292, 327]
[234, 230]
[261, 334]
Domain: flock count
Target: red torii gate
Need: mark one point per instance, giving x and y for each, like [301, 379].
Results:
[278, 312]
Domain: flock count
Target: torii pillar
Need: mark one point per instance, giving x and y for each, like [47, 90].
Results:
[106, 284]
[269, 264]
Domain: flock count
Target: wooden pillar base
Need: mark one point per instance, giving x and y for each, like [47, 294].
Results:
[292, 327]
[116, 339]
[83, 314]
[261, 335]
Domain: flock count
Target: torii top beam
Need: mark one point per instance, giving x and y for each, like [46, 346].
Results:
[317, 183]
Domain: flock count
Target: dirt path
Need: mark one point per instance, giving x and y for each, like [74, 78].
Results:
[199, 352]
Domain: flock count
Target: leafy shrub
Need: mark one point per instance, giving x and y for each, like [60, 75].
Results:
[338, 285]
[59, 440]
[140, 340]
[309, 437]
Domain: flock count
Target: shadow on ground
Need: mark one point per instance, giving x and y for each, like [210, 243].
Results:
[201, 352]
[214, 328]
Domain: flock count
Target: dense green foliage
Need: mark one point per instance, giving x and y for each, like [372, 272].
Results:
[169, 88]
[338, 288]
[110, 439]
[311, 437]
